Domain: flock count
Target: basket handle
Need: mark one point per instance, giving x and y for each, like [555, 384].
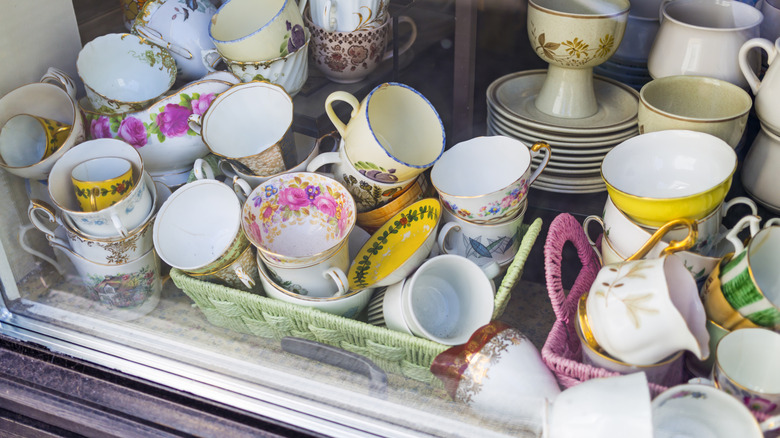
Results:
[565, 228]
[339, 358]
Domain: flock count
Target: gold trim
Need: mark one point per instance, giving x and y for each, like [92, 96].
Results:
[719, 367]
[674, 246]
[221, 268]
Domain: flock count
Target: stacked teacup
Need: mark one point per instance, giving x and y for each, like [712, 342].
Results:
[261, 41]
[392, 137]
[105, 202]
[483, 185]
[350, 37]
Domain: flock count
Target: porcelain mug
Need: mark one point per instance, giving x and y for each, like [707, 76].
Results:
[117, 219]
[750, 281]
[758, 177]
[26, 140]
[348, 57]
[746, 363]
[700, 38]
[448, 298]
[102, 182]
[54, 98]
[766, 88]
[395, 130]
[348, 15]
[250, 123]
[325, 278]
[481, 243]
[368, 193]
[247, 30]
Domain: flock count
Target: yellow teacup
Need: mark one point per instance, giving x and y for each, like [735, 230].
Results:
[102, 182]
[26, 139]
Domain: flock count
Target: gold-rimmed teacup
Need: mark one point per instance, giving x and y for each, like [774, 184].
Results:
[240, 274]
[102, 182]
[26, 139]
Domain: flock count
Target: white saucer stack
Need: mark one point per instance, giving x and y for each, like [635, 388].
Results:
[578, 145]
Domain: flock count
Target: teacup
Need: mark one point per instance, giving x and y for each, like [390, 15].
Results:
[765, 88]
[718, 309]
[395, 130]
[448, 297]
[252, 124]
[198, 228]
[695, 103]
[240, 274]
[126, 214]
[290, 71]
[641, 311]
[476, 186]
[758, 177]
[749, 280]
[185, 38]
[699, 410]
[348, 15]
[484, 373]
[481, 243]
[608, 407]
[746, 363]
[298, 219]
[124, 73]
[245, 30]
[714, 33]
[325, 278]
[52, 98]
[368, 193]
[102, 182]
[133, 287]
[348, 305]
[346, 57]
[26, 140]
[374, 219]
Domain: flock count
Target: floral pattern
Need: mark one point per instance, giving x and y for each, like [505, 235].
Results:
[499, 208]
[574, 52]
[294, 40]
[123, 290]
[754, 402]
[368, 196]
[121, 188]
[348, 55]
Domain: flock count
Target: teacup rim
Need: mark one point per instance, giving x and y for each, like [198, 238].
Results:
[541, 8]
[745, 98]
[744, 6]
[730, 378]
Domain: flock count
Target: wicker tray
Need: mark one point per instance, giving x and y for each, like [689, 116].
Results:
[394, 352]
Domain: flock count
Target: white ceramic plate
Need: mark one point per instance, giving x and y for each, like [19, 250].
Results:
[513, 96]
[586, 147]
[567, 189]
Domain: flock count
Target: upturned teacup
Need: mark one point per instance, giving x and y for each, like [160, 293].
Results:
[247, 30]
[349, 56]
[368, 193]
[478, 186]
[695, 103]
[394, 130]
[26, 140]
[298, 219]
[54, 98]
[250, 123]
[124, 73]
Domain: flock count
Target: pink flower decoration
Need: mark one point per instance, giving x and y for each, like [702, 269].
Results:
[326, 204]
[268, 212]
[254, 230]
[100, 128]
[133, 131]
[201, 104]
[173, 120]
[293, 197]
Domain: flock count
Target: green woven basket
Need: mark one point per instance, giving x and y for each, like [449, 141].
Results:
[393, 351]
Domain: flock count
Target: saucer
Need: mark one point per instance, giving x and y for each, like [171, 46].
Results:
[573, 189]
[532, 138]
[513, 96]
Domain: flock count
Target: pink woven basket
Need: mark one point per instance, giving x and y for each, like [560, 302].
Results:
[562, 351]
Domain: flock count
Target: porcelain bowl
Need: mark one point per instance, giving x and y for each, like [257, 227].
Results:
[298, 219]
[123, 72]
[666, 175]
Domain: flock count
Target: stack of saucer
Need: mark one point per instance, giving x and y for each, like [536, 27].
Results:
[578, 145]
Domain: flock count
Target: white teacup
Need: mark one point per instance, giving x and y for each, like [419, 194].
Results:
[247, 30]
[714, 33]
[481, 243]
[758, 170]
[448, 298]
[766, 88]
[394, 130]
[348, 15]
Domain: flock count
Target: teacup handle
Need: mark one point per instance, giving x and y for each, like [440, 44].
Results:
[194, 122]
[38, 206]
[739, 200]
[245, 278]
[345, 97]
[535, 150]
[58, 77]
[23, 229]
[442, 239]
[748, 221]
[408, 44]
[674, 246]
[226, 169]
[744, 65]
[329, 16]
[322, 160]
[202, 170]
[156, 37]
[772, 222]
[241, 188]
[338, 277]
[210, 58]
[118, 225]
[586, 227]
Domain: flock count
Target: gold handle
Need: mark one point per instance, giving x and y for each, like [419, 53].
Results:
[674, 246]
[584, 324]
[93, 195]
